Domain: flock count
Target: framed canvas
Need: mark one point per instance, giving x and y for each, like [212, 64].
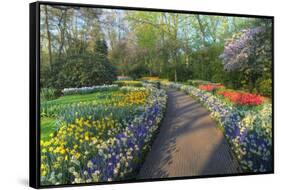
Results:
[126, 94]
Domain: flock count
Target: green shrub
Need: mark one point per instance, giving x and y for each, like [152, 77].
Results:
[87, 70]
[198, 82]
[80, 67]
[138, 70]
[264, 87]
[48, 94]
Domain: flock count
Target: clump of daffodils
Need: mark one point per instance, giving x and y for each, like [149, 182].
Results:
[105, 149]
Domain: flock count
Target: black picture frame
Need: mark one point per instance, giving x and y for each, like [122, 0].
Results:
[34, 92]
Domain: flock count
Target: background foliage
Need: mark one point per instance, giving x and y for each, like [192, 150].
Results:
[87, 46]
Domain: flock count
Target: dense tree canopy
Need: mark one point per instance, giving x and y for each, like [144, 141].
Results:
[87, 46]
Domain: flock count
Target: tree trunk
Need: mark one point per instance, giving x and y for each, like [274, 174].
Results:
[251, 83]
[201, 27]
[176, 75]
[48, 35]
[62, 34]
[252, 75]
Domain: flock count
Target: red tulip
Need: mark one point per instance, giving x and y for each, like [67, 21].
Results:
[242, 98]
[210, 87]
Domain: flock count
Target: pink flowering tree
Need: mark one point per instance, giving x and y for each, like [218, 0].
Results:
[248, 51]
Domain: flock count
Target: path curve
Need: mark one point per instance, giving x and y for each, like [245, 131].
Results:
[188, 143]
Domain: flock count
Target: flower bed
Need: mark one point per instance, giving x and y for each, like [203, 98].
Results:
[249, 133]
[124, 97]
[86, 90]
[242, 98]
[101, 149]
[120, 78]
[198, 82]
[210, 87]
[150, 78]
[128, 83]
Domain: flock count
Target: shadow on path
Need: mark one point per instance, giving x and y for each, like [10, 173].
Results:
[188, 143]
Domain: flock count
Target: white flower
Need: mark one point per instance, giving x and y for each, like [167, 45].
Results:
[100, 152]
[71, 169]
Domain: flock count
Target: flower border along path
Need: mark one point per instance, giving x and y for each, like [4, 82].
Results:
[118, 157]
[249, 133]
[188, 143]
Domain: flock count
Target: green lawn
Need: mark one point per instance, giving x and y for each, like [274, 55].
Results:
[47, 127]
[98, 97]
[95, 98]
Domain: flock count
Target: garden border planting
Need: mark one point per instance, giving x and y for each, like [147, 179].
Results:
[86, 90]
[115, 158]
[249, 133]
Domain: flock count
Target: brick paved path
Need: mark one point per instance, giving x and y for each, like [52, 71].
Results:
[188, 143]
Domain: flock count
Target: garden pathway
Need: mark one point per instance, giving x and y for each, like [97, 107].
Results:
[188, 143]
